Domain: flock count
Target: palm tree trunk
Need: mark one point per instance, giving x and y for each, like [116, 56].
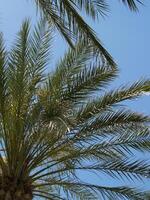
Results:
[12, 189]
[14, 195]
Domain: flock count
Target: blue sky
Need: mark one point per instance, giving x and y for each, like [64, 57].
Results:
[124, 34]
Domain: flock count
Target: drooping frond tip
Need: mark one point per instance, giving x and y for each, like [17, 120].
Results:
[132, 4]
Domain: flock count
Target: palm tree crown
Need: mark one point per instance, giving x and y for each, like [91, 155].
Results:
[53, 127]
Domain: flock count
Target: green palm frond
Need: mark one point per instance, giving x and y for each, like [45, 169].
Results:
[53, 128]
[40, 50]
[132, 4]
[66, 16]
[18, 70]
[71, 64]
[3, 79]
[90, 79]
[81, 191]
[126, 141]
[71, 25]
[112, 98]
[93, 8]
[112, 118]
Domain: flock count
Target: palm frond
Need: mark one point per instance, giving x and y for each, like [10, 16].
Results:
[132, 4]
[91, 79]
[68, 67]
[121, 116]
[65, 15]
[81, 190]
[3, 79]
[40, 44]
[72, 26]
[18, 70]
[113, 97]
[93, 8]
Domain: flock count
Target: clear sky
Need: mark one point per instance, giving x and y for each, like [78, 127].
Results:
[126, 36]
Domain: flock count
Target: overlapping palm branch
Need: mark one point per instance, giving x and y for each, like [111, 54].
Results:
[55, 126]
[66, 16]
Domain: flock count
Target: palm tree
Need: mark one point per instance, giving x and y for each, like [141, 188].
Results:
[65, 16]
[55, 126]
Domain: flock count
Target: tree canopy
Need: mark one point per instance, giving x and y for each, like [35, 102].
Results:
[55, 125]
